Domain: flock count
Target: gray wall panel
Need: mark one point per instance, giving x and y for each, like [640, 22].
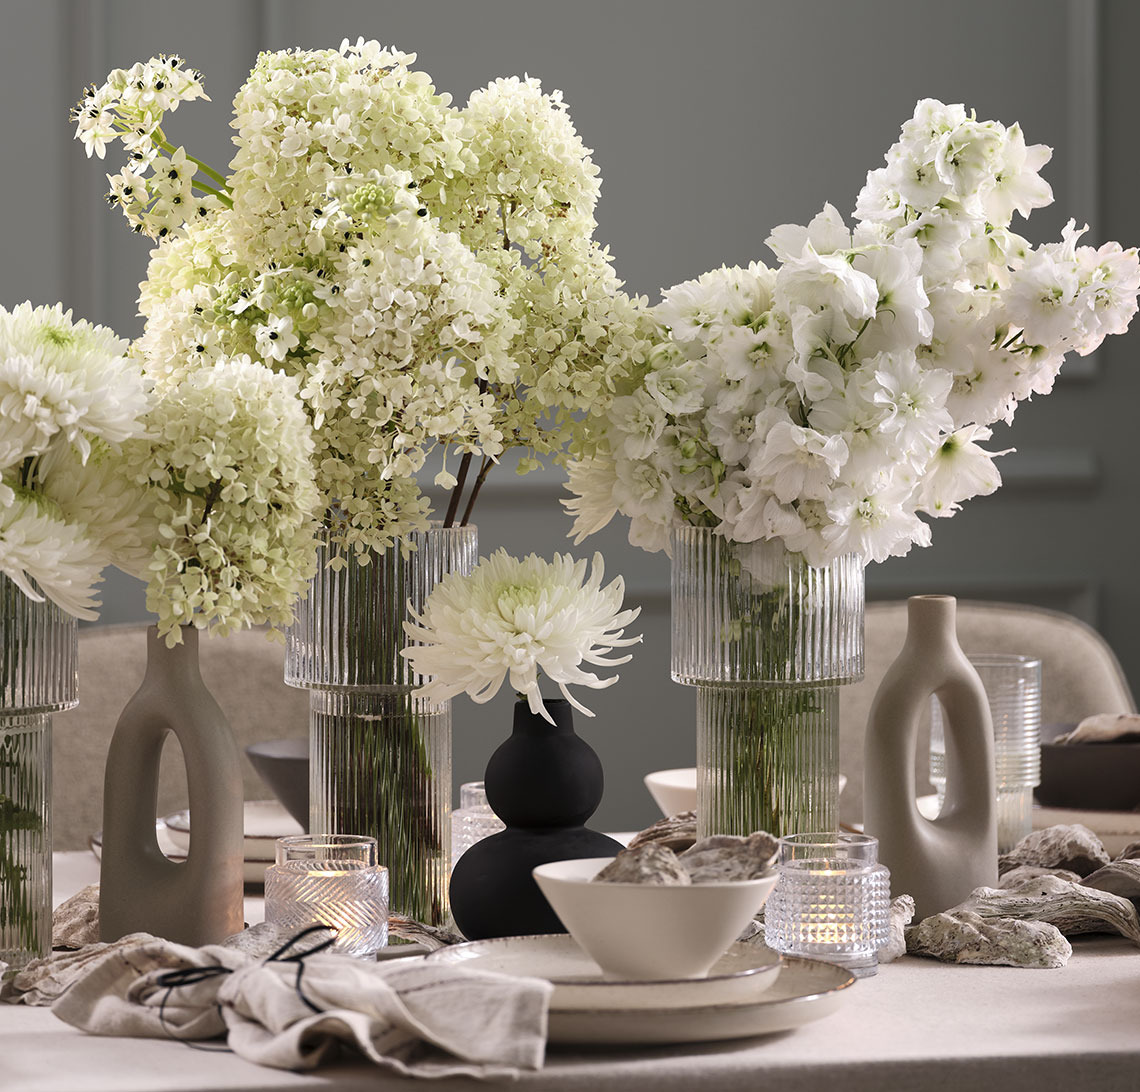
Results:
[711, 123]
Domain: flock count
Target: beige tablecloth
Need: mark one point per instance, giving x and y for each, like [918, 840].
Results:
[917, 1025]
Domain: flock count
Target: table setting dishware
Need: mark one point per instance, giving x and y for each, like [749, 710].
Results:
[748, 991]
[650, 930]
[675, 791]
[283, 764]
[264, 822]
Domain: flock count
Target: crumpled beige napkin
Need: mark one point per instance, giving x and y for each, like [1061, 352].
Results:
[413, 1017]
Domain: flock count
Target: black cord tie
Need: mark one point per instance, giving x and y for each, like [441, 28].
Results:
[191, 976]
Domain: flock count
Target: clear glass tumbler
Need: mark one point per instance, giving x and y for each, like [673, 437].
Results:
[832, 901]
[333, 880]
[473, 820]
[1013, 686]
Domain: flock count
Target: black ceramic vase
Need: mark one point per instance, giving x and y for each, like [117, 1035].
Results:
[544, 782]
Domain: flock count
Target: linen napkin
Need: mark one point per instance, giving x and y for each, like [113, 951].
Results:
[410, 1016]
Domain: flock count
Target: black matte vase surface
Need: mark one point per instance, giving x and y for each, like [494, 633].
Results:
[544, 782]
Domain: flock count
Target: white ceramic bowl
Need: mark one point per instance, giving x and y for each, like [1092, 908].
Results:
[649, 931]
[675, 791]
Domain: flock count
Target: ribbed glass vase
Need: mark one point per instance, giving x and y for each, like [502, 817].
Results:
[757, 613]
[767, 639]
[380, 765]
[380, 760]
[39, 657]
[767, 759]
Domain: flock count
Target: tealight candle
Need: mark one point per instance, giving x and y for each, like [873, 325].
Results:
[331, 880]
[832, 900]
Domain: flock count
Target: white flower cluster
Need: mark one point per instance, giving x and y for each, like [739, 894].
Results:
[831, 400]
[519, 618]
[227, 467]
[429, 274]
[155, 189]
[69, 398]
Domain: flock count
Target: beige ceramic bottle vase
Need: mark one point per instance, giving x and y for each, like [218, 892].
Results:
[198, 901]
[940, 861]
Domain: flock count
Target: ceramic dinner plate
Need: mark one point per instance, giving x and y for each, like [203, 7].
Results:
[741, 974]
[634, 1013]
[265, 822]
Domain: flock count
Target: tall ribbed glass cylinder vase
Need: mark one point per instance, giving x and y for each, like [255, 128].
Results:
[767, 639]
[39, 673]
[380, 758]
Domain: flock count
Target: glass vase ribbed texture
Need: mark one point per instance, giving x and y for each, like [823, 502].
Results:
[757, 613]
[767, 759]
[39, 674]
[25, 838]
[380, 765]
[380, 759]
[39, 654]
[348, 632]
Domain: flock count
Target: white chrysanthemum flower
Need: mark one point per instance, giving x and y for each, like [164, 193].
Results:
[60, 377]
[519, 618]
[591, 481]
[38, 548]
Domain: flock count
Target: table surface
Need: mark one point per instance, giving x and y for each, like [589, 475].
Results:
[917, 1024]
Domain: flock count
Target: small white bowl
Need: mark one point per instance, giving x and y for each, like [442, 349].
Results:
[675, 791]
[641, 932]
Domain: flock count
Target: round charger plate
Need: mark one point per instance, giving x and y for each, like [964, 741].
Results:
[742, 974]
[635, 1013]
[806, 990]
[252, 872]
[264, 821]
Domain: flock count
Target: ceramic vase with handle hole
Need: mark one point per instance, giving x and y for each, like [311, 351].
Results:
[544, 782]
[937, 861]
[198, 901]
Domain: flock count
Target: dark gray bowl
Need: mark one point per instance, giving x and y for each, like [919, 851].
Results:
[283, 764]
[1094, 776]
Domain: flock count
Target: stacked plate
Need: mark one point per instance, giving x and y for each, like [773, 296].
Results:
[265, 822]
[749, 991]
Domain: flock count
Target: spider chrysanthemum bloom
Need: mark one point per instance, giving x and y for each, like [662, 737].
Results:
[516, 618]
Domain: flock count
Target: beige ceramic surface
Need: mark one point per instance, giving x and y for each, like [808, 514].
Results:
[264, 821]
[806, 990]
[649, 931]
[939, 861]
[743, 973]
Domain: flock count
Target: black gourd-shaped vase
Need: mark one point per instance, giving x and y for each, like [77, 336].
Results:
[544, 782]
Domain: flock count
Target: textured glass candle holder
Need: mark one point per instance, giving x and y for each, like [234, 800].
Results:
[1013, 687]
[331, 880]
[473, 820]
[832, 901]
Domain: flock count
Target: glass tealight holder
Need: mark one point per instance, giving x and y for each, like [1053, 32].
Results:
[331, 880]
[473, 820]
[832, 901]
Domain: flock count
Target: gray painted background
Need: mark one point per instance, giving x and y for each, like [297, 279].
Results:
[711, 122]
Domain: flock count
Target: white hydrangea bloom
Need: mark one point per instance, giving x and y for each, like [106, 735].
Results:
[228, 465]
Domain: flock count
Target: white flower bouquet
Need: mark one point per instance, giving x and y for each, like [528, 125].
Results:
[832, 401]
[427, 274]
